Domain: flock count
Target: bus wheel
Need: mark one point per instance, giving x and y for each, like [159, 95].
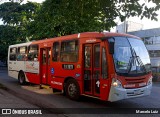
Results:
[21, 78]
[72, 89]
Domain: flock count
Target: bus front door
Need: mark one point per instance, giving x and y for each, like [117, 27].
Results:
[91, 57]
[45, 54]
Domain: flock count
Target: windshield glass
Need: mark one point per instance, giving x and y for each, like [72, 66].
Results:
[130, 56]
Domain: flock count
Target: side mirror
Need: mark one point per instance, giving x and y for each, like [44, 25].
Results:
[111, 46]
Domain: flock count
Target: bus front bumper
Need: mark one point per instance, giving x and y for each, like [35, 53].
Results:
[121, 93]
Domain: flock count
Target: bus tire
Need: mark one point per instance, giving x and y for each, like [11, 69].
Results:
[72, 90]
[21, 78]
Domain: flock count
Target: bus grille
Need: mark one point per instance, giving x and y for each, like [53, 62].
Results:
[135, 94]
[134, 81]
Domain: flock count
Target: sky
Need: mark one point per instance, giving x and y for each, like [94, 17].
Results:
[39, 1]
[147, 23]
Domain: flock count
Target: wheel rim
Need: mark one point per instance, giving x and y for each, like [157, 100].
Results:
[72, 90]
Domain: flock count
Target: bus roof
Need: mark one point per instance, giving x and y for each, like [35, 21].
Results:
[86, 35]
[79, 35]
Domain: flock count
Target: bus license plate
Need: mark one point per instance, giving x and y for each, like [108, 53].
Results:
[137, 92]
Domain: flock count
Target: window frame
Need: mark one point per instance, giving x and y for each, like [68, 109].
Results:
[22, 55]
[95, 61]
[33, 53]
[102, 72]
[13, 54]
[76, 51]
[58, 52]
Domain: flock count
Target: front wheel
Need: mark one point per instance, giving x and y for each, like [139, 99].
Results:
[21, 78]
[72, 89]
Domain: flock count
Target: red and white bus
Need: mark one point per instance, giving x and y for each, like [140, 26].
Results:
[107, 66]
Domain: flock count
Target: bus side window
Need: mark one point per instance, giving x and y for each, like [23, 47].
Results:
[87, 57]
[21, 56]
[55, 51]
[104, 64]
[13, 52]
[33, 53]
[69, 51]
[97, 56]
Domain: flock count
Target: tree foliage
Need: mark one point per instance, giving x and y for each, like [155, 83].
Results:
[16, 14]
[8, 36]
[63, 17]
[16, 18]
[19, 15]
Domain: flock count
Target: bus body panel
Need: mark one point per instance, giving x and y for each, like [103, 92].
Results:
[33, 78]
[121, 93]
[106, 83]
[55, 73]
[57, 83]
[14, 68]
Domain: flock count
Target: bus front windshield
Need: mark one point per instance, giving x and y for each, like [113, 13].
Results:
[130, 56]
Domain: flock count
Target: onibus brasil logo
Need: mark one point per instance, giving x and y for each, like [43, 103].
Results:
[21, 112]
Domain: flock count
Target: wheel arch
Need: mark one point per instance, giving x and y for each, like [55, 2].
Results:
[67, 79]
[21, 71]
[71, 88]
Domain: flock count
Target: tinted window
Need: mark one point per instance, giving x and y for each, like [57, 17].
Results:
[55, 51]
[21, 55]
[104, 64]
[97, 56]
[33, 53]
[13, 52]
[69, 51]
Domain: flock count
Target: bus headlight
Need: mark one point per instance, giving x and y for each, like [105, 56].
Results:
[150, 81]
[116, 83]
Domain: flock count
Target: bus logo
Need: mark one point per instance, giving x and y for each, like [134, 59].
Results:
[91, 40]
[6, 111]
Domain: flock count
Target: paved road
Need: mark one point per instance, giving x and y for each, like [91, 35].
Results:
[44, 98]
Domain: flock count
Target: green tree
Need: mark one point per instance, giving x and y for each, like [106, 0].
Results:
[62, 17]
[19, 16]
[16, 18]
[8, 34]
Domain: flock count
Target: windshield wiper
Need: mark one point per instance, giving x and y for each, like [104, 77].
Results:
[133, 60]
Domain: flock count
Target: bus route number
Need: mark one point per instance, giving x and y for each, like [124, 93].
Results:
[68, 66]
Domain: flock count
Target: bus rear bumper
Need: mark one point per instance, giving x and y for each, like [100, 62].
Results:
[121, 93]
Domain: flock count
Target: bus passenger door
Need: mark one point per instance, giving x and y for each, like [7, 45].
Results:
[45, 54]
[104, 81]
[91, 54]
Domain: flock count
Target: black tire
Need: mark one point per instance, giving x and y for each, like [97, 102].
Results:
[21, 78]
[72, 89]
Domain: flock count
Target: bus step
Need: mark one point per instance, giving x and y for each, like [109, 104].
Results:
[42, 86]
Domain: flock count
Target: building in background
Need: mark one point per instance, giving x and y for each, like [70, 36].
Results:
[128, 26]
[151, 38]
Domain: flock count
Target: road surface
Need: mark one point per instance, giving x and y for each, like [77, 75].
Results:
[44, 98]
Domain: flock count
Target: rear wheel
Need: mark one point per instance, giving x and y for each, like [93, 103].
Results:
[72, 89]
[21, 78]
